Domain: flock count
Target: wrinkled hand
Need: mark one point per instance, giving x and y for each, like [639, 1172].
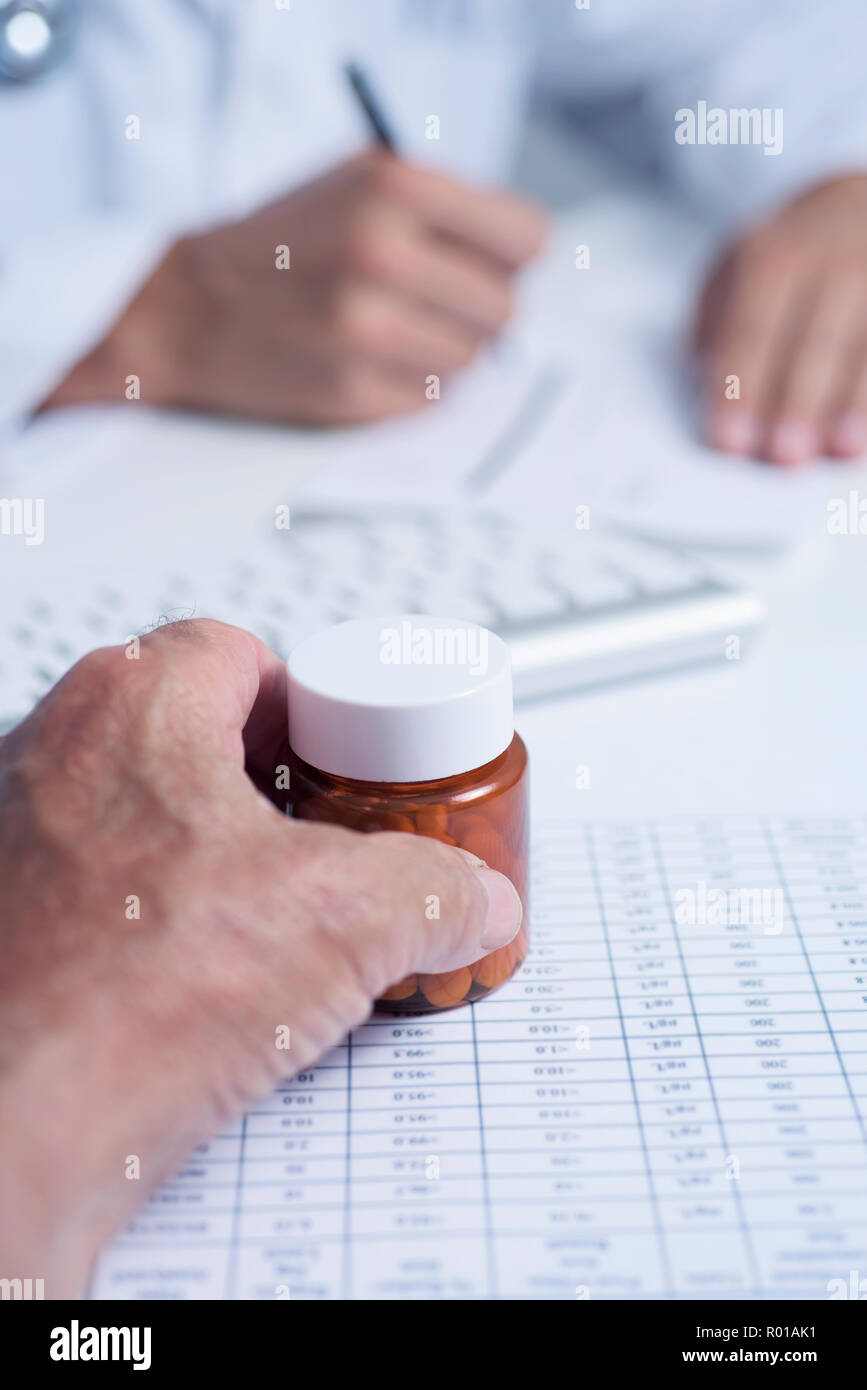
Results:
[162, 925]
[786, 313]
[395, 274]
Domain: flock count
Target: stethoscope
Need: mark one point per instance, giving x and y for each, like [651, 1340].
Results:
[34, 35]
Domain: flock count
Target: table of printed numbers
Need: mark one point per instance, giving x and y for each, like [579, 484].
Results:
[667, 1100]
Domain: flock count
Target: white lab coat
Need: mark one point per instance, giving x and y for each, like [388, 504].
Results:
[173, 114]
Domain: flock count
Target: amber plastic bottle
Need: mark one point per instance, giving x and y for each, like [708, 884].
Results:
[373, 713]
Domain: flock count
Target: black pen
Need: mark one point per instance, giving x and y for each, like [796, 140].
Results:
[371, 108]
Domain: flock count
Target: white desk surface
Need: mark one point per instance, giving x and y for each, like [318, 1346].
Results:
[783, 730]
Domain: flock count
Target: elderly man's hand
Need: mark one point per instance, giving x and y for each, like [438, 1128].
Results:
[162, 925]
[786, 314]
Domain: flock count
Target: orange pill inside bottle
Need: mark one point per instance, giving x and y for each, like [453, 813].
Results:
[407, 724]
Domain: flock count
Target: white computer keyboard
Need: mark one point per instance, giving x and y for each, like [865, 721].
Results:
[578, 607]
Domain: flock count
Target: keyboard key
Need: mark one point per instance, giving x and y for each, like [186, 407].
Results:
[522, 598]
[654, 569]
[457, 603]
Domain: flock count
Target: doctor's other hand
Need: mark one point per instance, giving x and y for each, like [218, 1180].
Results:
[334, 305]
[784, 321]
[171, 946]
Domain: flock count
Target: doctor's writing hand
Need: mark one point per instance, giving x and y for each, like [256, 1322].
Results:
[786, 314]
[388, 275]
[171, 946]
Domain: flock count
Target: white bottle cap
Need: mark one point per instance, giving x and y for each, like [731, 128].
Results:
[400, 699]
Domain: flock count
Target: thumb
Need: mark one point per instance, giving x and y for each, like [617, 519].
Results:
[415, 904]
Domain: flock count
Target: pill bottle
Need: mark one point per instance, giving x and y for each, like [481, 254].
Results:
[406, 724]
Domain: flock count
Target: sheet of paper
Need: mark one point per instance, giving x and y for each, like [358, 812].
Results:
[667, 1101]
[636, 456]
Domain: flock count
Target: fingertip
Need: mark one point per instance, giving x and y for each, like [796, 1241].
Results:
[504, 911]
[792, 441]
[734, 431]
[847, 436]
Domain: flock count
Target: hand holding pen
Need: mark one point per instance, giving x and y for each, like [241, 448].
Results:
[337, 304]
